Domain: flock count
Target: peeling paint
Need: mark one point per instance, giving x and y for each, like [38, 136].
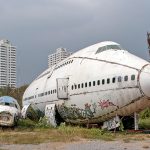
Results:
[77, 113]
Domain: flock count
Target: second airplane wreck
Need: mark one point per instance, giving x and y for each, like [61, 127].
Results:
[9, 111]
[100, 84]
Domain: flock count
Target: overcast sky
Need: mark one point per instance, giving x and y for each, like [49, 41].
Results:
[38, 27]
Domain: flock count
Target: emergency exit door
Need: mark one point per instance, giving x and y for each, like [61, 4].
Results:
[62, 88]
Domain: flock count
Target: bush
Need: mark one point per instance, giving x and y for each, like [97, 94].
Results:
[144, 123]
[30, 124]
[26, 123]
[145, 113]
[43, 123]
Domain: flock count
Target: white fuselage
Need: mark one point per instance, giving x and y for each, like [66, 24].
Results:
[93, 85]
[8, 115]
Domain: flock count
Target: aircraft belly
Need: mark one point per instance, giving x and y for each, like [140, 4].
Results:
[100, 106]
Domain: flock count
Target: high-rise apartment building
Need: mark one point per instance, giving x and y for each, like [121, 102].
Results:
[7, 64]
[61, 53]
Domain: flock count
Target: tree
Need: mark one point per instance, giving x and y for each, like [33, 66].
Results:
[16, 93]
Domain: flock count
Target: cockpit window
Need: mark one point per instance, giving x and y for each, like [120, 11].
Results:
[8, 104]
[107, 47]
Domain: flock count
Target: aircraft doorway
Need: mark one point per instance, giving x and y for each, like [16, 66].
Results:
[62, 88]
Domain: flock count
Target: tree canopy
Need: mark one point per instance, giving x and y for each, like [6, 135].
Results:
[16, 93]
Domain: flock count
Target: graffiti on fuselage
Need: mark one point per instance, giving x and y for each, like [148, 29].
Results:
[105, 104]
[89, 110]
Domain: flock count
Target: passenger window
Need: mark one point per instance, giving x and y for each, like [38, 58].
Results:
[89, 84]
[75, 86]
[51, 91]
[119, 79]
[86, 84]
[48, 92]
[113, 80]
[98, 82]
[126, 78]
[45, 93]
[108, 81]
[103, 81]
[82, 85]
[64, 88]
[133, 77]
[72, 87]
[93, 83]
[78, 86]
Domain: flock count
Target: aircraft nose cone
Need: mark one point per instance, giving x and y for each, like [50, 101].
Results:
[144, 80]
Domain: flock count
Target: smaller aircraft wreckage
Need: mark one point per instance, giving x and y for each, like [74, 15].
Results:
[9, 111]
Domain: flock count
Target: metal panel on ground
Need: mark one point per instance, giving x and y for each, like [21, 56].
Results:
[50, 114]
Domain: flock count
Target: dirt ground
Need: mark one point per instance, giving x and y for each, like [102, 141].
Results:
[84, 144]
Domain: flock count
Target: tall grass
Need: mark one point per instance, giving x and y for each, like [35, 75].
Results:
[38, 132]
[144, 121]
[93, 133]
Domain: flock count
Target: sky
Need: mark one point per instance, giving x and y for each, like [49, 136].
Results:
[38, 27]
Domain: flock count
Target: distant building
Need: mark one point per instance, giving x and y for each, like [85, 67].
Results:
[61, 53]
[7, 64]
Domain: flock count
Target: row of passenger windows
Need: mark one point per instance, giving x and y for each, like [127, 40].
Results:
[65, 63]
[42, 94]
[88, 84]
[103, 81]
[47, 93]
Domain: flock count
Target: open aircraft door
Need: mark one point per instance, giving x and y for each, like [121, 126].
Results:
[62, 88]
[24, 111]
[32, 112]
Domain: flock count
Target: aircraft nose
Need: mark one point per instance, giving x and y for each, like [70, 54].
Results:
[144, 80]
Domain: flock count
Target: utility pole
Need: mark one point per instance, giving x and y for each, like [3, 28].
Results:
[148, 41]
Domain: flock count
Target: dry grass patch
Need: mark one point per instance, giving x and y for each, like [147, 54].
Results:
[61, 134]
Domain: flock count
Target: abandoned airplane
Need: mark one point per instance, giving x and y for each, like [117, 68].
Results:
[9, 111]
[100, 83]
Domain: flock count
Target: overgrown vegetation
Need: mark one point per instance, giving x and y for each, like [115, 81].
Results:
[145, 113]
[31, 132]
[144, 121]
[31, 125]
[28, 131]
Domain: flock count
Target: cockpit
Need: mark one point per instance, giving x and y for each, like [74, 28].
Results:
[8, 104]
[8, 101]
[108, 47]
